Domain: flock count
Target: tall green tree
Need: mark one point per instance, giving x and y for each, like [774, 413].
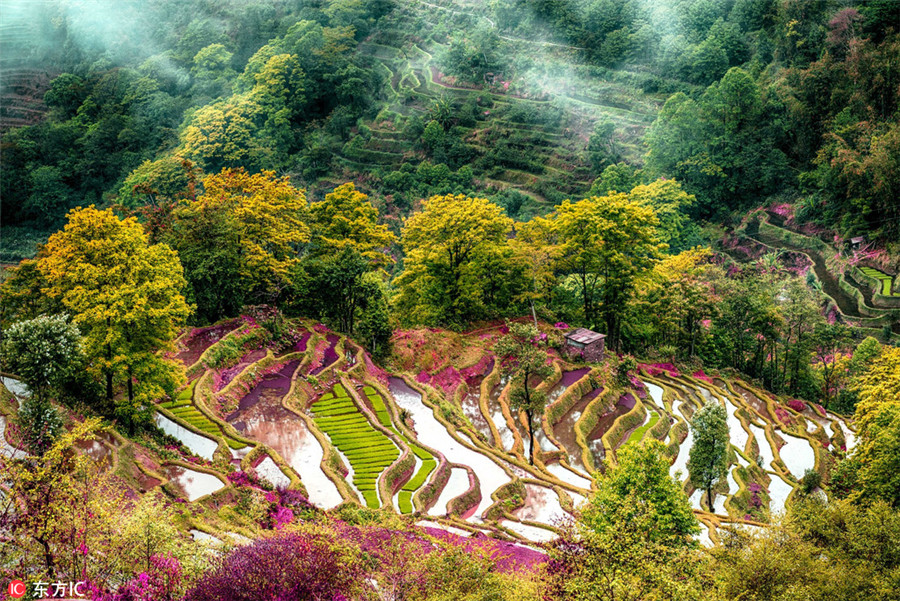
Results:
[523, 357]
[443, 244]
[42, 352]
[606, 242]
[708, 460]
[125, 295]
[239, 241]
[633, 537]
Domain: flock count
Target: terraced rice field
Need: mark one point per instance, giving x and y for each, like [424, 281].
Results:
[368, 450]
[184, 409]
[363, 428]
[426, 461]
[885, 279]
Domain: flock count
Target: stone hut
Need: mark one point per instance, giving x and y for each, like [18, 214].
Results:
[586, 344]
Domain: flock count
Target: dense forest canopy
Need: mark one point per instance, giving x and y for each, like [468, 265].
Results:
[361, 201]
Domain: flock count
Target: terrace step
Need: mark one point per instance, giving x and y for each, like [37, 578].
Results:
[369, 451]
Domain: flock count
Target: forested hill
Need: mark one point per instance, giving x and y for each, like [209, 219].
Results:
[744, 102]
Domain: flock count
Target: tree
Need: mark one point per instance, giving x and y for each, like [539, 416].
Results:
[620, 177]
[606, 242]
[633, 539]
[20, 294]
[124, 295]
[830, 340]
[672, 301]
[290, 566]
[346, 218]
[820, 550]
[153, 182]
[439, 283]
[672, 206]
[708, 460]
[67, 518]
[50, 494]
[336, 287]
[601, 147]
[225, 135]
[876, 457]
[725, 147]
[533, 249]
[522, 357]
[801, 316]
[375, 326]
[42, 352]
[240, 239]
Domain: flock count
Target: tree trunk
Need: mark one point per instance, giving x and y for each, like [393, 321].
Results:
[530, 438]
[48, 555]
[709, 499]
[130, 386]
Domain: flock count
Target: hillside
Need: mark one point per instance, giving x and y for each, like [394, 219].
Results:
[454, 449]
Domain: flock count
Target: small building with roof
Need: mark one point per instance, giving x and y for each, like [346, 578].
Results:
[586, 344]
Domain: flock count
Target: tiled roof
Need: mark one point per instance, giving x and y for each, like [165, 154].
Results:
[585, 336]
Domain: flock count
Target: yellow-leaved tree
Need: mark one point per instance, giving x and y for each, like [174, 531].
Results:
[606, 242]
[240, 239]
[126, 297]
[345, 219]
[875, 462]
[445, 245]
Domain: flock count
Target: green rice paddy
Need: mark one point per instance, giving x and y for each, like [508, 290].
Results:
[429, 463]
[638, 434]
[369, 451]
[885, 279]
[183, 408]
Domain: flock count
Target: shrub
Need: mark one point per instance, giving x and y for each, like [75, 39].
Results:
[290, 567]
[797, 405]
[810, 481]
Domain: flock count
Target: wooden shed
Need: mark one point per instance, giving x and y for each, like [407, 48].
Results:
[586, 344]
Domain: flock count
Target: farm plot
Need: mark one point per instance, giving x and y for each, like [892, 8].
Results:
[183, 409]
[427, 461]
[885, 279]
[369, 451]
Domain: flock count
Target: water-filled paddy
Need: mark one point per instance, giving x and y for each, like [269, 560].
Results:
[17, 387]
[270, 471]
[191, 483]
[797, 455]
[568, 476]
[765, 449]
[471, 405]
[507, 438]
[432, 433]
[201, 446]
[289, 436]
[330, 356]
[457, 484]
[595, 443]
[779, 490]
[680, 464]
[6, 449]
[564, 429]
[739, 436]
[532, 533]
[203, 338]
[541, 505]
